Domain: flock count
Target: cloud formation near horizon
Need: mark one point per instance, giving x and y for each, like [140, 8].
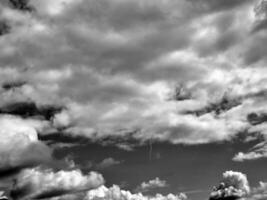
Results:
[234, 185]
[42, 184]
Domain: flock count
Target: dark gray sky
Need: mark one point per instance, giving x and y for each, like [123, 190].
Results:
[155, 97]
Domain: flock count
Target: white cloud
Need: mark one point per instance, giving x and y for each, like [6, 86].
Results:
[2, 197]
[234, 184]
[46, 183]
[257, 152]
[152, 184]
[19, 145]
[115, 193]
[240, 157]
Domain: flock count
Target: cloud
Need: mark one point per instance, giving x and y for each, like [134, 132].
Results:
[115, 193]
[13, 84]
[257, 152]
[259, 192]
[234, 185]
[152, 184]
[22, 5]
[211, 6]
[77, 54]
[19, 145]
[104, 71]
[39, 184]
[107, 162]
[261, 16]
[2, 197]
[30, 109]
[4, 27]
[240, 157]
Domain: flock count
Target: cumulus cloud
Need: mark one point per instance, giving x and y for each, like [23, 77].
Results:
[234, 185]
[19, 145]
[115, 193]
[152, 184]
[39, 184]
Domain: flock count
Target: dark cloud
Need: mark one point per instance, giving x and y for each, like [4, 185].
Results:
[4, 27]
[68, 140]
[11, 171]
[18, 192]
[30, 109]
[256, 118]
[54, 193]
[13, 84]
[180, 93]
[22, 5]
[223, 105]
[225, 198]
[61, 137]
[34, 155]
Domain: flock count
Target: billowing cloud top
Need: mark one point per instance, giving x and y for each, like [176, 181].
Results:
[115, 193]
[234, 185]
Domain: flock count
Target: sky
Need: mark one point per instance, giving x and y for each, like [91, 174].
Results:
[133, 99]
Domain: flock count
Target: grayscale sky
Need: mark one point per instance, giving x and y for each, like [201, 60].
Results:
[133, 99]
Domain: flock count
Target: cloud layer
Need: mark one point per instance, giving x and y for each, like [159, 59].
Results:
[120, 62]
[41, 184]
[115, 193]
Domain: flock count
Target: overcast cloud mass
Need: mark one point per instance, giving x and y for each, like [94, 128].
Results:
[133, 99]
